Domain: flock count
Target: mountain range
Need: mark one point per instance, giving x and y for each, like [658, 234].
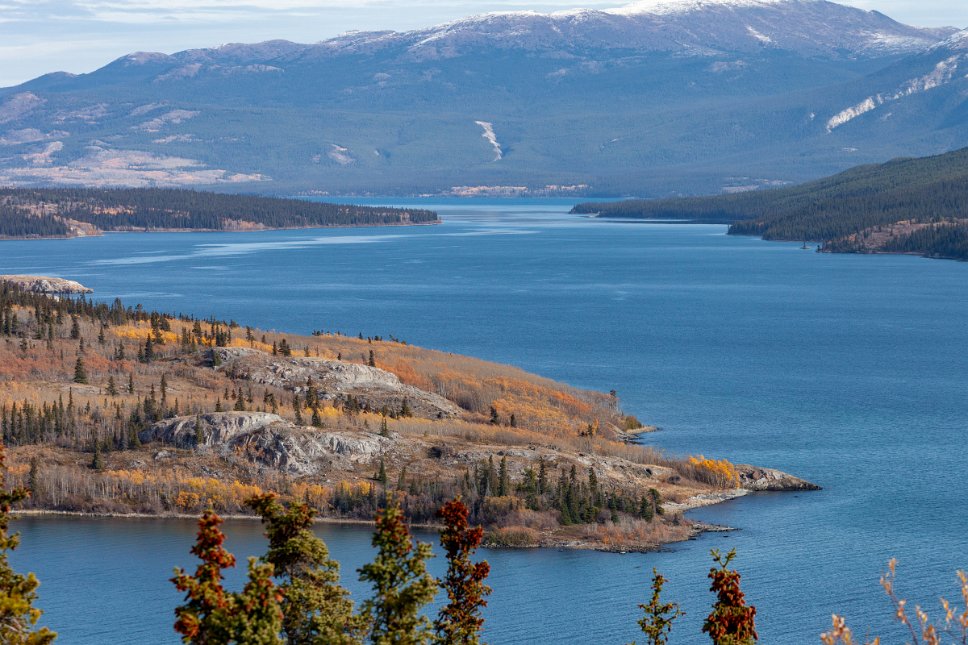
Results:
[658, 98]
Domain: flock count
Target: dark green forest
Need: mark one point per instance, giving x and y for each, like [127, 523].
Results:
[42, 212]
[929, 190]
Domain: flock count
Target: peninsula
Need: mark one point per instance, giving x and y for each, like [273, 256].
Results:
[67, 212]
[915, 206]
[108, 409]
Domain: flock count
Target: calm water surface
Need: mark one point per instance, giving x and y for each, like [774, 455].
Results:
[850, 371]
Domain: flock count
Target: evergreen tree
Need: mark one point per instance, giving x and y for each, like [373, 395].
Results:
[297, 409]
[212, 615]
[97, 463]
[316, 609]
[460, 621]
[199, 431]
[384, 428]
[503, 479]
[401, 584]
[112, 388]
[18, 616]
[80, 373]
[732, 621]
[659, 617]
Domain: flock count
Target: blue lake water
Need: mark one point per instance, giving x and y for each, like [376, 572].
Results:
[851, 371]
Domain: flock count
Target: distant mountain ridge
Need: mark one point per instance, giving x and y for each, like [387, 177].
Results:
[660, 96]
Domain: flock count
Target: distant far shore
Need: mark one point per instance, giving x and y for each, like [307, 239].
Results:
[259, 229]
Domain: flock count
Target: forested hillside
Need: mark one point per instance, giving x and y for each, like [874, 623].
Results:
[112, 409]
[47, 212]
[906, 205]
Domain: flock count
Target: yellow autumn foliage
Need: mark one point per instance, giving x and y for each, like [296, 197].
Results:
[141, 332]
[722, 472]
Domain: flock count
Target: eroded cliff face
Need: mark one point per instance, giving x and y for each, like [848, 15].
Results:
[268, 439]
[372, 387]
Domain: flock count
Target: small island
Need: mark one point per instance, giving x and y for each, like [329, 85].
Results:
[27, 213]
[108, 409]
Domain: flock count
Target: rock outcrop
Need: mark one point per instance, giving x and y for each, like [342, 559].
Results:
[755, 478]
[270, 440]
[44, 284]
[334, 380]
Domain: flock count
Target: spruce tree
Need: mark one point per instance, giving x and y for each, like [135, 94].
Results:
[297, 409]
[80, 373]
[18, 616]
[401, 584]
[212, 615]
[460, 620]
[659, 617]
[97, 463]
[732, 621]
[316, 609]
[503, 481]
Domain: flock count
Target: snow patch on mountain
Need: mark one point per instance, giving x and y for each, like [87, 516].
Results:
[685, 6]
[763, 38]
[853, 112]
[491, 138]
[957, 41]
[943, 72]
[340, 155]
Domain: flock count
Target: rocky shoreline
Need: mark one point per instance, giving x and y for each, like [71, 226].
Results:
[753, 479]
[46, 285]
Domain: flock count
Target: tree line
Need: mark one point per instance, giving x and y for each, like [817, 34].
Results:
[293, 594]
[26, 212]
[925, 190]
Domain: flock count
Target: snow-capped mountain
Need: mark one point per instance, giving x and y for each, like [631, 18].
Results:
[656, 96]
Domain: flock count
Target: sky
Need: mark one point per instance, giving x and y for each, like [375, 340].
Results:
[40, 36]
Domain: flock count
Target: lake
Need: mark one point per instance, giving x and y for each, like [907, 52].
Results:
[850, 371]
